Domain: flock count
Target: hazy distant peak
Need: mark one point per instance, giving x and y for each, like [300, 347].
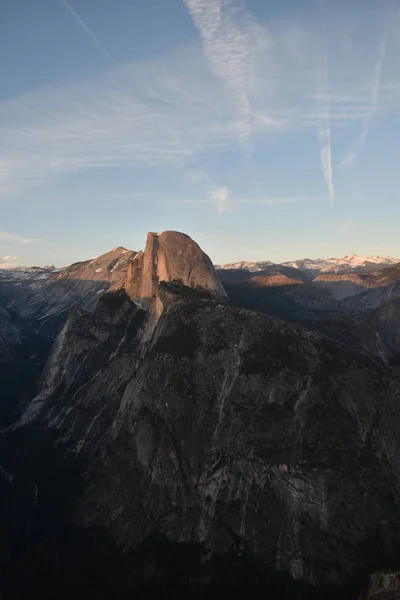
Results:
[246, 265]
[319, 265]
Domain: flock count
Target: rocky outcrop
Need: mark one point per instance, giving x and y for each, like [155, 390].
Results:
[169, 257]
[111, 267]
[86, 344]
[225, 427]
[222, 428]
[44, 297]
[384, 585]
[36, 304]
[237, 428]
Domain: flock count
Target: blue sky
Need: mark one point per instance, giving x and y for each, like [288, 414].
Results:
[265, 130]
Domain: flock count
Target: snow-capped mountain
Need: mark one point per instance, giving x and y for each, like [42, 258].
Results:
[350, 262]
[246, 265]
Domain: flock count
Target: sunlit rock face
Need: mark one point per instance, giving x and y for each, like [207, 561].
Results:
[216, 425]
[170, 257]
[45, 297]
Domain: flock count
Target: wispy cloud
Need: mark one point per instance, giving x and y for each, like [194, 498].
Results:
[235, 45]
[172, 110]
[85, 28]
[324, 136]
[273, 201]
[197, 175]
[220, 196]
[8, 262]
[90, 125]
[13, 237]
[324, 131]
[366, 122]
[348, 226]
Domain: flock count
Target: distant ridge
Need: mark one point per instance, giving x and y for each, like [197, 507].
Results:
[350, 262]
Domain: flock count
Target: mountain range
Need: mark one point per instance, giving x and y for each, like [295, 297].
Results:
[172, 429]
[350, 262]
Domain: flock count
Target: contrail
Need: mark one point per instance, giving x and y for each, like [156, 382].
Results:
[87, 29]
[324, 133]
[324, 136]
[366, 124]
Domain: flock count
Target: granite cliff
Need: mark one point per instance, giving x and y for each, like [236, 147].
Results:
[223, 428]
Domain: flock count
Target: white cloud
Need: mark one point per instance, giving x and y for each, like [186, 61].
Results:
[197, 175]
[92, 125]
[324, 136]
[13, 237]
[236, 47]
[324, 128]
[348, 226]
[176, 108]
[8, 262]
[220, 196]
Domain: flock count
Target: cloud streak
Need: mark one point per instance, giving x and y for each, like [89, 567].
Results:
[220, 196]
[235, 45]
[324, 137]
[6, 236]
[91, 125]
[87, 29]
[324, 132]
[175, 109]
[367, 120]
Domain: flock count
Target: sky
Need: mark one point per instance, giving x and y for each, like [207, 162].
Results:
[264, 130]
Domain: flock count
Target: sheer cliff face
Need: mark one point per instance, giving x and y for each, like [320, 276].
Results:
[170, 257]
[10, 335]
[232, 427]
[224, 425]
